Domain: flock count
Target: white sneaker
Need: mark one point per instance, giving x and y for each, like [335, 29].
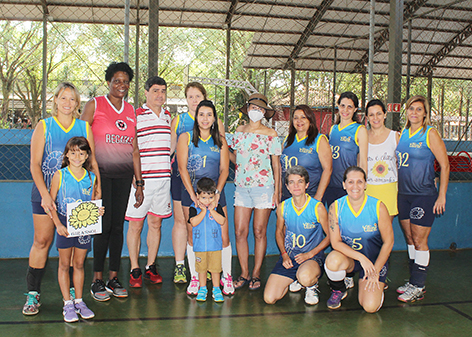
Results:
[193, 287]
[403, 288]
[227, 283]
[295, 287]
[411, 294]
[349, 282]
[311, 295]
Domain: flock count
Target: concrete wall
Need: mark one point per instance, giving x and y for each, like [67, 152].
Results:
[16, 226]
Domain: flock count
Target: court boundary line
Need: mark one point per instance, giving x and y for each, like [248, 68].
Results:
[281, 313]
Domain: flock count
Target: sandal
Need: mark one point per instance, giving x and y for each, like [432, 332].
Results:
[240, 282]
[253, 282]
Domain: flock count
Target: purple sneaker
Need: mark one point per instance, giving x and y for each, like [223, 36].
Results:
[83, 311]
[335, 299]
[69, 313]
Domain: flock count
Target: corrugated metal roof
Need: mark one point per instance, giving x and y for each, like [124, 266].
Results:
[299, 32]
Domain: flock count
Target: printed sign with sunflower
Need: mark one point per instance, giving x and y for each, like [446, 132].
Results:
[83, 218]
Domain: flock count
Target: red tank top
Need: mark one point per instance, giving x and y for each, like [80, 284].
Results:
[113, 132]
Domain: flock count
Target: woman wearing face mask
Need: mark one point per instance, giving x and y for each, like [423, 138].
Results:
[256, 155]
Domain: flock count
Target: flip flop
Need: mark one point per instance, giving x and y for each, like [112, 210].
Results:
[253, 281]
[239, 280]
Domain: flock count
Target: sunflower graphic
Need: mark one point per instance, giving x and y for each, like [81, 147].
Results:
[84, 215]
[380, 169]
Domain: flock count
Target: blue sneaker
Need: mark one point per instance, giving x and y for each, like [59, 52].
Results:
[202, 294]
[32, 304]
[334, 300]
[72, 293]
[217, 295]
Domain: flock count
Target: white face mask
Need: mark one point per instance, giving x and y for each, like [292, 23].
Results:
[255, 115]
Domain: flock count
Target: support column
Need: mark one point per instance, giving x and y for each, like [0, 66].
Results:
[395, 61]
[363, 89]
[334, 85]
[371, 49]
[228, 68]
[136, 64]
[126, 33]
[430, 88]
[292, 87]
[153, 49]
[45, 62]
[307, 87]
[408, 62]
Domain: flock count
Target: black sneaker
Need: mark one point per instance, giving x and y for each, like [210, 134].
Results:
[98, 291]
[114, 287]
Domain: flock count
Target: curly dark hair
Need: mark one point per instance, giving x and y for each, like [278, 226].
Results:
[115, 67]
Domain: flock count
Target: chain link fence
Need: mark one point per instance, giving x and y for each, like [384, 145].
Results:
[267, 51]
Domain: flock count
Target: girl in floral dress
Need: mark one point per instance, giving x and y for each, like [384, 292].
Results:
[257, 149]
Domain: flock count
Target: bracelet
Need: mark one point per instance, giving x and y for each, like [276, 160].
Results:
[140, 183]
[283, 253]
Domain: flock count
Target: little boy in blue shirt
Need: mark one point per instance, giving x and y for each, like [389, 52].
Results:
[206, 220]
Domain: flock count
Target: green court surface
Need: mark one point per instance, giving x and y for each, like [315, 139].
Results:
[166, 310]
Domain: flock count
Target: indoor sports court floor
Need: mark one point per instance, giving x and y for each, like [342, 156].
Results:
[166, 310]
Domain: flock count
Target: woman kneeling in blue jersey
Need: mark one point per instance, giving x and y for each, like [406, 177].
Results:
[361, 234]
[301, 221]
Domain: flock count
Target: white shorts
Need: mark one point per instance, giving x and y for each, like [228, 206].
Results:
[157, 201]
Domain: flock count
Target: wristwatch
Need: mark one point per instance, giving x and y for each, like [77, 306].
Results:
[217, 191]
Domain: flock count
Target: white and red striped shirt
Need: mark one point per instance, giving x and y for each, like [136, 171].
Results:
[153, 134]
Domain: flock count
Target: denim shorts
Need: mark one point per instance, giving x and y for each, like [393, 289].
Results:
[254, 197]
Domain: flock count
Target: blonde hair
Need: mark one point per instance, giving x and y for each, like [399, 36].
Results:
[427, 109]
[60, 88]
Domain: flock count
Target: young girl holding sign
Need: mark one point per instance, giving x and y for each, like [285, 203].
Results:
[74, 182]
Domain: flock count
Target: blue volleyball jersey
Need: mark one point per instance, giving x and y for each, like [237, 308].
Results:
[415, 162]
[344, 148]
[303, 231]
[298, 153]
[360, 230]
[207, 234]
[55, 140]
[73, 189]
[184, 123]
[204, 160]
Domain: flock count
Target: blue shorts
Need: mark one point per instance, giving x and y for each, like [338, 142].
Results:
[254, 197]
[332, 194]
[382, 274]
[37, 208]
[417, 208]
[176, 185]
[279, 269]
[187, 201]
[82, 242]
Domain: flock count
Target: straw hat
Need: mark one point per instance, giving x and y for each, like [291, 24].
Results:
[261, 101]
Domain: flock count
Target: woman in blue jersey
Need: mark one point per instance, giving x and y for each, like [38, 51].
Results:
[306, 147]
[418, 197]
[194, 93]
[301, 221]
[204, 153]
[361, 234]
[382, 174]
[47, 145]
[349, 144]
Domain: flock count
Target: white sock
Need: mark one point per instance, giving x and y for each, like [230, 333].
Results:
[226, 256]
[68, 302]
[179, 262]
[335, 275]
[191, 261]
[411, 252]
[78, 300]
[422, 258]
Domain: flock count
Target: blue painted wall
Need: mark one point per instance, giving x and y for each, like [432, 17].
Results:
[16, 227]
